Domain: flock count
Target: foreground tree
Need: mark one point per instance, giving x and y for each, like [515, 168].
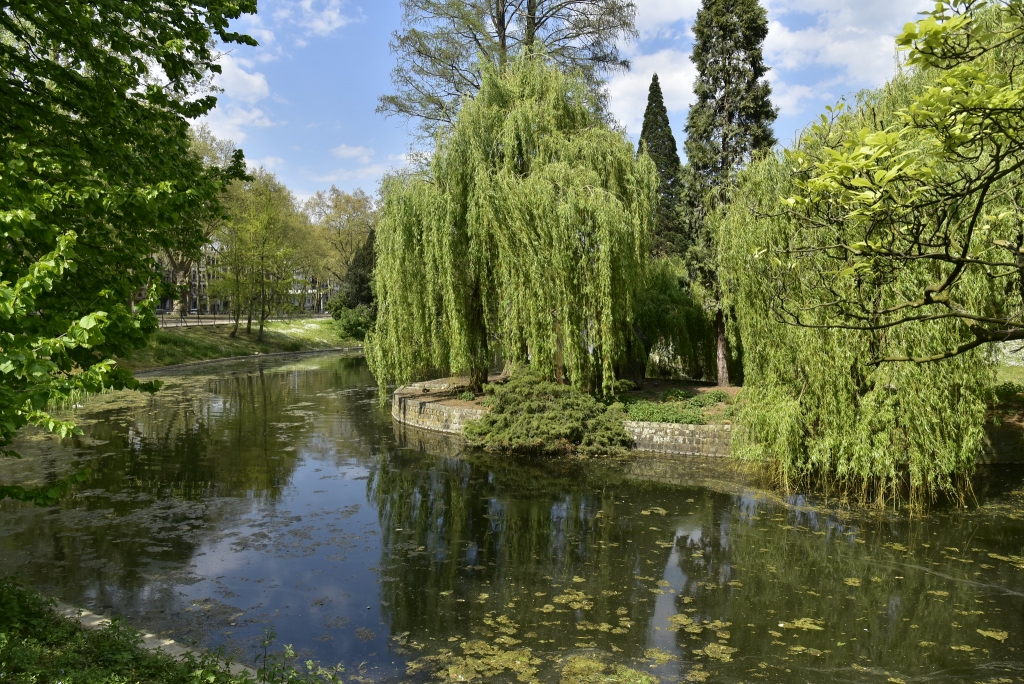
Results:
[658, 141]
[895, 254]
[445, 46]
[97, 175]
[728, 125]
[530, 231]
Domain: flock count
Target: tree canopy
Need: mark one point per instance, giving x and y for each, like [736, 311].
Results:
[658, 141]
[728, 125]
[869, 262]
[529, 231]
[96, 175]
[444, 46]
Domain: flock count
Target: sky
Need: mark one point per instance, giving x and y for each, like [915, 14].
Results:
[302, 104]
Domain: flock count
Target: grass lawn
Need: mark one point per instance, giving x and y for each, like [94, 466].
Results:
[169, 346]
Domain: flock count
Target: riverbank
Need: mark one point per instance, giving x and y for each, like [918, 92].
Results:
[40, 644]
[175, 346]
[436, 405]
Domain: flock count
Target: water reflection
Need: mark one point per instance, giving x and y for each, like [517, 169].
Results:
[249, 495]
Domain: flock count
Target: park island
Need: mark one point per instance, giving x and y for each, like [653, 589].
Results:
[557, 403]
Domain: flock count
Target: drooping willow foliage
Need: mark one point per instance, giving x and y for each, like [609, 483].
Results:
[529, 232]
[825, 402]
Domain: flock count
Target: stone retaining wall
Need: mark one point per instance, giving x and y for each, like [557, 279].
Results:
[429, 406]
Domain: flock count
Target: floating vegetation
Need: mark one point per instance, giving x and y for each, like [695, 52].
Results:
[851, 582]
[804, 624]
[998, 635]
[587, 670]
[938, 592]
[480, 661]
[717, 651]
[964, 647]
[659, 656]
[576, 600]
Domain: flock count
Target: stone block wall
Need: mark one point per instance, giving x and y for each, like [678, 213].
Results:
[426, 406]
[677, 438]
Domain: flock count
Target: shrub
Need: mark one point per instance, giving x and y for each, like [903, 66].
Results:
[532, 415]
[1009, 391]
[669, 412]
[467, 396]
[352, 323]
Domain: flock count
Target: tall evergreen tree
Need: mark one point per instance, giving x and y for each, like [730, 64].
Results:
[656, 137]
[729, 124]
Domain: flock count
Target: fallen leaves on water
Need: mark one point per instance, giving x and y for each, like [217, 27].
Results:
[805, 624]
[994, 634]
[718, 652]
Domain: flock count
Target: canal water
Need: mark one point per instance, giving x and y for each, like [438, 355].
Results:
[275, 495]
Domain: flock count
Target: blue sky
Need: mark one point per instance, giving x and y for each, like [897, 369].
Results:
[302, 104]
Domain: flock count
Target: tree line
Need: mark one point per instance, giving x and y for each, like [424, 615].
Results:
[269, 254]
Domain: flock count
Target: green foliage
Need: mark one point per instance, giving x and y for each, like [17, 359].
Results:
[729, 125]
[530, 229]
[356, 286]
[824, 285]
[658, 141]
[257, 249]
[676, 335]
[676, 406]
[530, 414]
[445, 47]
[467, 396]
[96, 175]
[1008, 391]
[913, 201]
[352, 323]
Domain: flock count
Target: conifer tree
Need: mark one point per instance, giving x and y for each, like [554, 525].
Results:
[656, 137]
[729, 124]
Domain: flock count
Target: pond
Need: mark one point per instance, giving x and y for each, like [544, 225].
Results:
[276, 495]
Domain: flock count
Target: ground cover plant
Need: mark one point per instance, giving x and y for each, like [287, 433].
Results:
[674, 406]
[531, 414]
[170, 346]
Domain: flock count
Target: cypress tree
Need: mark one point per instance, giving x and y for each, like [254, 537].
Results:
[728, 125]
[656, 137]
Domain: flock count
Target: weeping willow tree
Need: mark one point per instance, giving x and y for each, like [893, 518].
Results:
[528, 233]
[884, 250]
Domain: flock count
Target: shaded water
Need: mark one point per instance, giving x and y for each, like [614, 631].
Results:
[269, 494]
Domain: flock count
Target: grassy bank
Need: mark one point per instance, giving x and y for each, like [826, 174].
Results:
[170, 346]
[40, 646]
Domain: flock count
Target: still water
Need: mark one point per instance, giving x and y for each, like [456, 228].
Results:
[255, 495]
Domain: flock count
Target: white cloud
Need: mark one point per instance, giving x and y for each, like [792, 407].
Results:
[654, 18]
[228, 121]
[363, 154]
[318, 17]
[629, 91]
[856, 36]
[789, 97]
[269, 163]
[369, 172]
[239, 84]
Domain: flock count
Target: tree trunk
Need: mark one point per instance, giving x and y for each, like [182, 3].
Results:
[248, 322]
[723, 356]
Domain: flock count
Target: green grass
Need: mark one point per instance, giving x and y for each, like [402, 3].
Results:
[39, 646]
[1008, 373]
[170, 346]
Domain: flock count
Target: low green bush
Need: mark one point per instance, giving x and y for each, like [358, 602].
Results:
[529, 414]
[1009, 391]
[467, 396]
[676, 406]
[352, 323]
[665, 412]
